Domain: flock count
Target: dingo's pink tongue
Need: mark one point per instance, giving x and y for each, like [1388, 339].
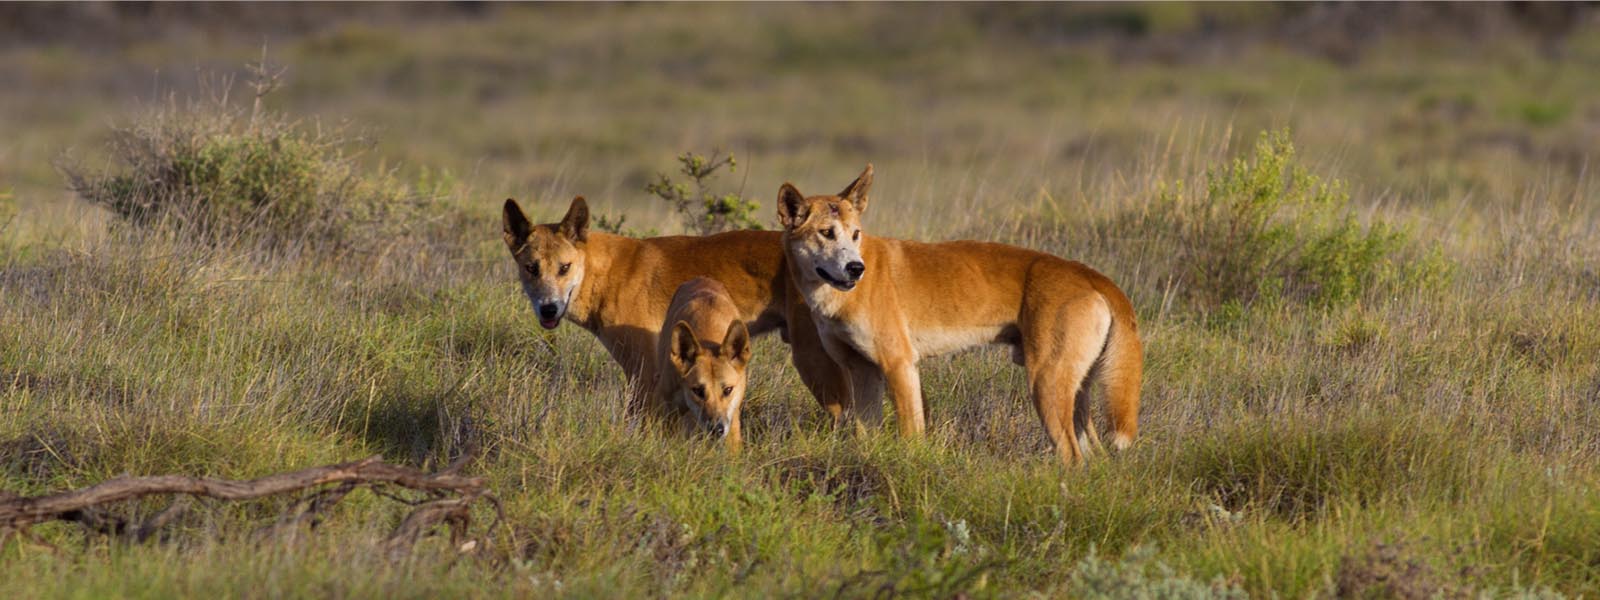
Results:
[549, 323]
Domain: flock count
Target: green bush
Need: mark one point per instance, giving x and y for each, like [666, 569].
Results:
[1544, 114]
[215, 173]
[927, 558]
[1265, 228]
[1135, 576]
[705, 212]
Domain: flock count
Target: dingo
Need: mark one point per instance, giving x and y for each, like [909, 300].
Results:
[618, 288]
[709, 348]
[882, 304]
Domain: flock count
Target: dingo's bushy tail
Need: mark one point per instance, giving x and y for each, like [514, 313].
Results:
[1121, 368]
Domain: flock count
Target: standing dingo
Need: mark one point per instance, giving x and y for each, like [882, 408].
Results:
[618, 288]
[709, 350]
[881, 304]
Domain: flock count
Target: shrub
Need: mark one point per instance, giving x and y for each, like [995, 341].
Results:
[1544, 114]
[1391, 570]
[926, 558]
[217, 173]
[1266, 228]
[703, 211]
[1135, 577]
[618, 224]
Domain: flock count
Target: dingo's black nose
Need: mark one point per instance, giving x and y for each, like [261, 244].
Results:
[855, 269]
[548, 311]
[720, 429]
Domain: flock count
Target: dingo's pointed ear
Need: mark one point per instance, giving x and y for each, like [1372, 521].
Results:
[517, 226]
[856, 192]
[575, 226]
[736, 343]
[684, 347]
[792, 207]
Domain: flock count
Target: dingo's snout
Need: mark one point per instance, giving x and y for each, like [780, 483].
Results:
[855, 269]
[549, 315]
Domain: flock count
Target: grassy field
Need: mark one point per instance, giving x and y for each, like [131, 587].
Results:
[1365, 255]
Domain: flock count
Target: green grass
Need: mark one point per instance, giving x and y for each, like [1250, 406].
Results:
[1431, 424]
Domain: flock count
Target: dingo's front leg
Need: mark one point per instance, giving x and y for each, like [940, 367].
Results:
[634, 351]
[898, 360]
[866, 390]
[905, 384]
[827, 379]
[865, 379]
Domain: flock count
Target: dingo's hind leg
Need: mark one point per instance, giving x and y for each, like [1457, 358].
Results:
[1083, 425]
[1053, 390]
[1062, 346]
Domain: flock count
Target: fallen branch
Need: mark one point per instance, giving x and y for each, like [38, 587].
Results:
[451, 499]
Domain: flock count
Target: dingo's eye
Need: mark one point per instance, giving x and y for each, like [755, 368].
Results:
[564, 267]
[699, 390]
[727, 391]
[856, 237]
[533, 269]
[828, 233]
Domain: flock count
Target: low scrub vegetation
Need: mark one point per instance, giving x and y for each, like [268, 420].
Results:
[1136, 575]
[220, 174]
[1264, 229]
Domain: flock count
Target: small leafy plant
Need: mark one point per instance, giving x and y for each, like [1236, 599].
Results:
[1138, 575]
[619, 225]
[931, 558]
[1265, 228]
[703, 210]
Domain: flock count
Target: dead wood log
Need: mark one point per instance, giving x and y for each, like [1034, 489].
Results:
[451, 499]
